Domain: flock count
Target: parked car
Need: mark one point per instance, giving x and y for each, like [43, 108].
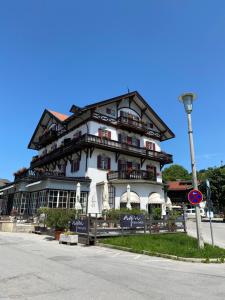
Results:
[190, 213]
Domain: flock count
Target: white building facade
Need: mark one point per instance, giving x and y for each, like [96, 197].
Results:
[116, 140]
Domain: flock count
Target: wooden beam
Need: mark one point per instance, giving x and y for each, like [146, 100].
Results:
[91, 151]
[142, 161]
[117, 155]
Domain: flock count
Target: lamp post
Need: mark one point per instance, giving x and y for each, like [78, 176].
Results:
[187, 99]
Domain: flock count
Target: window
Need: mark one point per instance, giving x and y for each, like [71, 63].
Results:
[150, 125]
[151, 169]
[77, 134]
[103, 162]
[83, 200]
[112, 196]
[110, 111]
[122, 138]
[75, 165]
[42, 199]
[150, 145]
[104, 133]
[52, 199]
[57, 199]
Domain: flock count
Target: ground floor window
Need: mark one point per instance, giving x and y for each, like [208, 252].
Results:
[83, 200]
[57, 199]
[21, 203]
[133, 205]
[112, 190]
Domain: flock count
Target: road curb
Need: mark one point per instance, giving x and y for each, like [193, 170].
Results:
[173, 257]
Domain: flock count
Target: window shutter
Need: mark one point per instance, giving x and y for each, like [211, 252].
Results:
[109, 163]
[147, 145]
[109, 135]
[119, 137]
[138, 166]
[153, 146]
[99, 158]
[100, 132]
[129, 165]
[129, 140]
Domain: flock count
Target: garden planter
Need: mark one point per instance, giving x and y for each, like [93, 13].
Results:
[70, 239]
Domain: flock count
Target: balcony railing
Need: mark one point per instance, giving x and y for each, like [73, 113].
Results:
[128, 123]
[88, 140]
[48, 137]
[134, 174]
[37, 174]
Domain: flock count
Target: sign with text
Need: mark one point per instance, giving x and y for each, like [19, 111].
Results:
[80, 226]
[132, 221]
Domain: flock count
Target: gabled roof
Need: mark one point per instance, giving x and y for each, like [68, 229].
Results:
[47, 114]
[58, 115]
[179, 185]
[141, 102]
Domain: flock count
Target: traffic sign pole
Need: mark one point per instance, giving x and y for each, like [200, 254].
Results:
[195, 182]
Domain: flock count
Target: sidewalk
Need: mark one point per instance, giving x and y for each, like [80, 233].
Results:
[218, 231]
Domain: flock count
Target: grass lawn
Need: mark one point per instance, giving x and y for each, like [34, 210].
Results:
[178, 244]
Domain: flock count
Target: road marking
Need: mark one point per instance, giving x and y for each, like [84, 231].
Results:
[137, 256]
[116, 254]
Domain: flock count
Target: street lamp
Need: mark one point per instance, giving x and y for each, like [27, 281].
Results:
[187, 99]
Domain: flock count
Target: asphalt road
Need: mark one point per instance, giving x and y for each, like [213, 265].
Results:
[218, 232]
[32, 267]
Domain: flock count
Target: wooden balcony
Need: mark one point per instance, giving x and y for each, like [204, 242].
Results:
[48, 137]
[132, 175]
[127, 124]
[91, 141]
[130, 124]
[30, 175]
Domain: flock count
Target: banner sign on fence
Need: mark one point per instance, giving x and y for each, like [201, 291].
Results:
[132, 221]
[80, 226]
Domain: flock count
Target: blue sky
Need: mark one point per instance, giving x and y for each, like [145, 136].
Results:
[57, 53]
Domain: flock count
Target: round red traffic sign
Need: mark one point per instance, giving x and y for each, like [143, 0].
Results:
[195, 197]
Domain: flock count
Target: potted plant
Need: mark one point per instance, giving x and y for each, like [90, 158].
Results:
[58, 219]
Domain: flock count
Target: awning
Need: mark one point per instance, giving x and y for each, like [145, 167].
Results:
[155, 198]
[134, 198]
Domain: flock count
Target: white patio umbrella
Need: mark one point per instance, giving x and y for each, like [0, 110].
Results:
[77, 203]
[128, 197]
[105, 202]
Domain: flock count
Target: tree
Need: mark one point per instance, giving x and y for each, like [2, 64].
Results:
[216, 177]
[175, 172]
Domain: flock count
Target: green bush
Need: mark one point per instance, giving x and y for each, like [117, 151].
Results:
[115, 214]
[156, 213]
[58, 218]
